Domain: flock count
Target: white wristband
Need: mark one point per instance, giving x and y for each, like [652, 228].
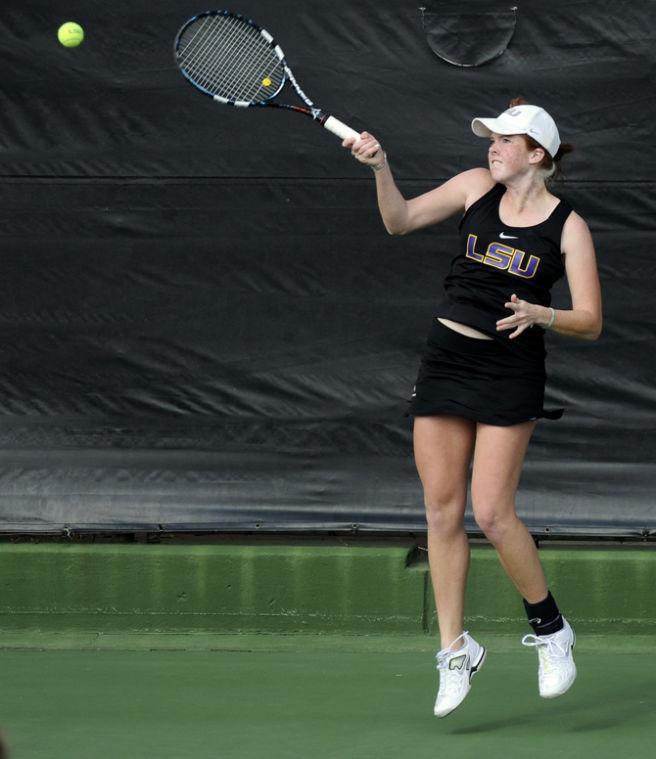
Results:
[553, 318]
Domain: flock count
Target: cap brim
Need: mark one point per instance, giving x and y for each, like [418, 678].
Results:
[486, 127]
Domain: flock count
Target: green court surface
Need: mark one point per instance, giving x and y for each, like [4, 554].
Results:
[318, 696]
[320, 650]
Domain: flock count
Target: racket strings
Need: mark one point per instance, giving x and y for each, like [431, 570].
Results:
[223, 62]
[250, 67]
[230, 58]
[214, 49]
[247, 65]
[200, 33]
[195, 60]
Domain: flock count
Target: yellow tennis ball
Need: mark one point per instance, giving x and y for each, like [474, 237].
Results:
[70, 34]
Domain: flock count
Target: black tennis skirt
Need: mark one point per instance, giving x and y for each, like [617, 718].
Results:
[478, 379]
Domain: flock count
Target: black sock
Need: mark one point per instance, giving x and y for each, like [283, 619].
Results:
[544, 616]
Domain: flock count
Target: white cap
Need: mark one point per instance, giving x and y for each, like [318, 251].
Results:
[522, 119]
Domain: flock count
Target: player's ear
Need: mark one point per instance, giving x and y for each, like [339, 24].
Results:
[536, 155]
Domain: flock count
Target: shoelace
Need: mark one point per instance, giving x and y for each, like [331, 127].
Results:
[445, 653]
[548, 649]
[553, 647]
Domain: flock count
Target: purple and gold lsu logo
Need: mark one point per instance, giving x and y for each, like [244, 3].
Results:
[504, 257]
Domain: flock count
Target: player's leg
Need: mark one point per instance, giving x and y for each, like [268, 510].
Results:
[498, 460]
[443, 449]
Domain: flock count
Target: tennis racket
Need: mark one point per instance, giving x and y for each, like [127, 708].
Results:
[234, 61]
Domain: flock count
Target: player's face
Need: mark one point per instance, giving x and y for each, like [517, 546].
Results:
[508, 156]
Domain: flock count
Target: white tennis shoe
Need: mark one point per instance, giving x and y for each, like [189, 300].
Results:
[456, 670]
[556, 671]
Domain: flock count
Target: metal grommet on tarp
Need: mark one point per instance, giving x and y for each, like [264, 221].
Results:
[468, 33]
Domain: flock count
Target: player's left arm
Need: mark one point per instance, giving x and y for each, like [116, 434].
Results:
[584, 320]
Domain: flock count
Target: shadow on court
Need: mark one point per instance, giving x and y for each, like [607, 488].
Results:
[313, 696]
[610, 709]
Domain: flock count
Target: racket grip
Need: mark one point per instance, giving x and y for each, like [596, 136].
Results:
[339, 128]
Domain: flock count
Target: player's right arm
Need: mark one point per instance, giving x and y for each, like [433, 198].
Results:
[402, 216]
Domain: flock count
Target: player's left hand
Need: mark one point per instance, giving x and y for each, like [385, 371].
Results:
[524, 315]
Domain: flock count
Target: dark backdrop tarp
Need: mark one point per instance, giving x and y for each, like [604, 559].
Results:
[203, 322]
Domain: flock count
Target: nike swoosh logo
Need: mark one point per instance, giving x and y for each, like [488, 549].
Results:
[504, 236]
[535, 620]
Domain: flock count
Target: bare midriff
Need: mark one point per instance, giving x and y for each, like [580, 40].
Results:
[464, 329]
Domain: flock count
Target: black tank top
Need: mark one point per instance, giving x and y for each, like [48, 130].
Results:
[497, 260]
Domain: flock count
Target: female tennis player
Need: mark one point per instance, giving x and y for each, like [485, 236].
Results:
[480, 387]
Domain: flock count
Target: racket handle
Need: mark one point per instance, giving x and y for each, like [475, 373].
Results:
[339, 128]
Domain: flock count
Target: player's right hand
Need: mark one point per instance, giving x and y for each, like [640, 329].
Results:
[365, 149]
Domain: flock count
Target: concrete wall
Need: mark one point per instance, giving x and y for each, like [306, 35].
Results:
[313, 588]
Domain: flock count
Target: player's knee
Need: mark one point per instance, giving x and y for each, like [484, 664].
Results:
[444, 513]
[493, 520]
